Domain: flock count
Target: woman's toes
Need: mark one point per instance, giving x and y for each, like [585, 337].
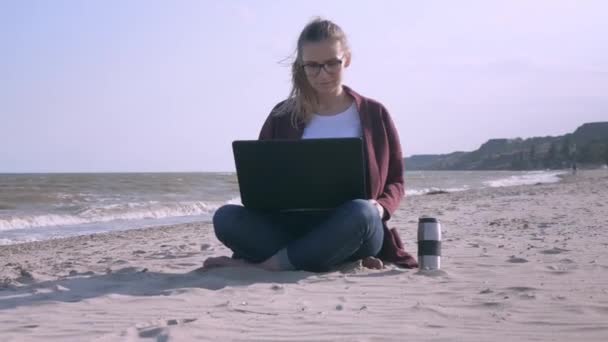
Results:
[224, 261]
[215, 262]
[373, 263]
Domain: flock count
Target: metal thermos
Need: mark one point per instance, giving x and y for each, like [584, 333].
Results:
[429, 243]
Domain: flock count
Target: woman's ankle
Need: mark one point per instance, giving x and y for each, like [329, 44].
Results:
[278, 262]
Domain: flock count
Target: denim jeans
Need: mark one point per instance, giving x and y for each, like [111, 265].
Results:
[314, 240]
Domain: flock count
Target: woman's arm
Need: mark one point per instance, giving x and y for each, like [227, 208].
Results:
[267, 131]
[394, 187]
[270, 126]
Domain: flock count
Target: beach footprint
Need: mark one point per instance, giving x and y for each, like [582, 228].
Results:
[516, 260]
[555, 250]
[523, 292]
[565, 266]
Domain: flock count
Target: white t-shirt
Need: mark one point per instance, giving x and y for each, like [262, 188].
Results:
[342, 125]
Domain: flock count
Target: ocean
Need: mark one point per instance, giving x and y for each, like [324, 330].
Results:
[45, 206]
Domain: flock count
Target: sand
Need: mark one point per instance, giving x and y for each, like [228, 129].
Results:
[523, 263]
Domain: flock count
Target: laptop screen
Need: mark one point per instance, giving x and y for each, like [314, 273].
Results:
[300, 174]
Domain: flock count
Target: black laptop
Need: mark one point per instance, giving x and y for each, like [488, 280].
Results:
[300, 174]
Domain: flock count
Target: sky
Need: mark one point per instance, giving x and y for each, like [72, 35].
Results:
[147, 86]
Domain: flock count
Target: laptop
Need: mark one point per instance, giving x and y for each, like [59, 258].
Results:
[307, 174]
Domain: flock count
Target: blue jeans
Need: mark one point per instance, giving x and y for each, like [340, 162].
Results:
[314, 240]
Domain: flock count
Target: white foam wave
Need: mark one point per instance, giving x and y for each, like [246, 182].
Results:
[236, 200]
[533, 177]
[418, 192]
[4, 242]
[127, 211]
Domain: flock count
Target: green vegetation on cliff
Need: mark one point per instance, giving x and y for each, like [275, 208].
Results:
[587, 145]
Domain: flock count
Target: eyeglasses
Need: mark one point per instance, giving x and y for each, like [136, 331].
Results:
[331, 67]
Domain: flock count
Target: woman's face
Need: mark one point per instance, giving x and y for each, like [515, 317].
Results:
[323, 64]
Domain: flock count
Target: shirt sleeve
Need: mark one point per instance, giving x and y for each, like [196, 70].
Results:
[269, 128]
[267, 131]
[394, 188]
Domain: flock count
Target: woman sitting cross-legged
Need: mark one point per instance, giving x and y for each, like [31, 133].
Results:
[320, 106]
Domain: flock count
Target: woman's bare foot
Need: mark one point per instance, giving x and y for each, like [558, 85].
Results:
[373, 263]
[271, 264]
[224, 261]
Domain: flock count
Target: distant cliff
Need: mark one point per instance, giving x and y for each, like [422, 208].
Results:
[587, 145]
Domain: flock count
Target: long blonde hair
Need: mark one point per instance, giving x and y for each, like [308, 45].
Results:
[302, 101]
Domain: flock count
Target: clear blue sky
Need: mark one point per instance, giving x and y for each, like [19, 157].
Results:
[167, 85]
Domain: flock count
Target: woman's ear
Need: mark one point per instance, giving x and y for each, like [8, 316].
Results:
[347, 57]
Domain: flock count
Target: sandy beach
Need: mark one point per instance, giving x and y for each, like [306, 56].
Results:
[523, 263]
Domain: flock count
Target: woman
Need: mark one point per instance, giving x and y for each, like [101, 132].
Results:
[320, 106]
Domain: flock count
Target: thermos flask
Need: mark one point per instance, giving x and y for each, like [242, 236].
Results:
[429, 243]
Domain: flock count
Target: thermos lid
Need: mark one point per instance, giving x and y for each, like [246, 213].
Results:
[426, 219]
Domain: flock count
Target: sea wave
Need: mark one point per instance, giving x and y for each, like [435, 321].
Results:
[528, 178]
[533, 177]
[418, 192]
[103, 212]
[114, 212]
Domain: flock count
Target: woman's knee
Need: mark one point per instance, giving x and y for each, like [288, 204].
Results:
[224, 221]
[369, 225]
[363, 211]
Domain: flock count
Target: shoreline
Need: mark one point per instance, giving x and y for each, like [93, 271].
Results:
[20, 235]
[566, 177]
